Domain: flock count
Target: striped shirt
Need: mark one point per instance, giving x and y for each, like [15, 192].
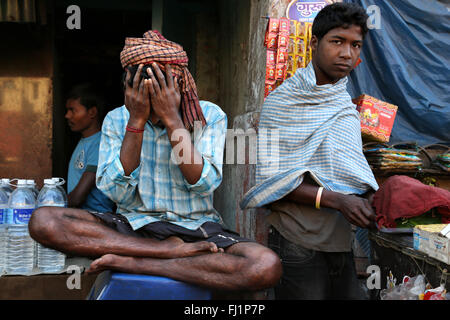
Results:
[303, 128]
[157, 190]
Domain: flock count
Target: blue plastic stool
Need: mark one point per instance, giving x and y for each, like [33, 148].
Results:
[124, 286]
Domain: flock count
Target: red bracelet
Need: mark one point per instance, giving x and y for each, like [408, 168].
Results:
[135, 130]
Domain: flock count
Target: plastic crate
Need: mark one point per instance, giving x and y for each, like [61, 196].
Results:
[124, 286]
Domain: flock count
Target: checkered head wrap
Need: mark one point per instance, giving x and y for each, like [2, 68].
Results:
[153, 47]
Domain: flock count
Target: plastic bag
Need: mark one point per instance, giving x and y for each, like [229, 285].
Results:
[409, 289]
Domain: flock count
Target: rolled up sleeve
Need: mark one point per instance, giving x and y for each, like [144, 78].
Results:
[210, 144]
[110, 177]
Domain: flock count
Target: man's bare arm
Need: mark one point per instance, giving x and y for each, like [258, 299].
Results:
[138, 105]
[78, 195]
[355, 209]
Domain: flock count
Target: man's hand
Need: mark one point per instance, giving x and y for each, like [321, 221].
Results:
[369, 196]
[137, 100]
[165, 95]
[356, 210]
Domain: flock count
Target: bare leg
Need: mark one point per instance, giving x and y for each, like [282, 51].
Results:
[77, 232]
[243, 266]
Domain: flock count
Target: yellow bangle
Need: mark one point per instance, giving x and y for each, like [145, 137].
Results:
[318, 196]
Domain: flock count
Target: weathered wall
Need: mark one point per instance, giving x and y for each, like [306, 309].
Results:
[207, 72]
[25, 102]
[242, 73]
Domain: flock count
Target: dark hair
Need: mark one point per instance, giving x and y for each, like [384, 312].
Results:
[90, 96]
[339, 15]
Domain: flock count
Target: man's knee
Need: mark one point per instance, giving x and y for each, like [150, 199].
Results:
[265, 270]
[43, 226]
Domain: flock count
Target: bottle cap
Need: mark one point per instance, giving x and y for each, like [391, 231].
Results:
[58, 181]
[5, 180]
[49, 181]
[21, 182]
[30, 181]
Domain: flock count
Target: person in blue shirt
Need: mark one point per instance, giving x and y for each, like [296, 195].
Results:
[160, 160]
[84, 115]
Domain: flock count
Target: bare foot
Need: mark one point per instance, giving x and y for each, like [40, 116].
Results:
[177, 248]
[113, 262]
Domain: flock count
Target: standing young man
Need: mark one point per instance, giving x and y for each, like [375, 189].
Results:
[161, 174]
[319, 183]
[84, 115]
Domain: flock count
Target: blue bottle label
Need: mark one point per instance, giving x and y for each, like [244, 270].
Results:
[22, 216]
[2, 216]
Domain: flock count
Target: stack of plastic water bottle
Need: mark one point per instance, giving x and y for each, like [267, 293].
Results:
[49, 260]
[19, 253]
[5, 192]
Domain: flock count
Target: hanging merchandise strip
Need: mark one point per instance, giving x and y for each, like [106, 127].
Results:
[287, 43]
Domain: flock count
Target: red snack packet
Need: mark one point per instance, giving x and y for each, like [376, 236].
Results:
[282, 56]
[280, 73]
[273, 25]
[283, 40]
[271, 57]
[272, 41]
[284, 25]
[269, 87]
[270, 72]
[271, 30]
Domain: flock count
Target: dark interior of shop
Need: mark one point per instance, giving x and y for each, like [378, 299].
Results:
[91, 54]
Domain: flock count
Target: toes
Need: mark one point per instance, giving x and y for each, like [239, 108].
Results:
[214, 248]
[100, 263]
[207, 246]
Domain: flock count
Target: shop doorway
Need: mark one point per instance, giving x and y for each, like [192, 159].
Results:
[91, 54]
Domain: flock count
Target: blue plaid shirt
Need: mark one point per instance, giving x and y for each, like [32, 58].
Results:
[157, 190]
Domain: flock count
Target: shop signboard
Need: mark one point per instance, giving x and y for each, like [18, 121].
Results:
[305, 10]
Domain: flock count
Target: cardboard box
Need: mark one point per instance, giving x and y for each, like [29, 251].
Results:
[377, 118]
[427, 239]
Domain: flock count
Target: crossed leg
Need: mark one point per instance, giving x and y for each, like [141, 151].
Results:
[77, 232]
[243, 266]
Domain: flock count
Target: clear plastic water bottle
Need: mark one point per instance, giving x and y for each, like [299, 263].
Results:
[50, 260]
[6, 186]
[32, 185]
[59, 184]
[20, 246]
[3, 207]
